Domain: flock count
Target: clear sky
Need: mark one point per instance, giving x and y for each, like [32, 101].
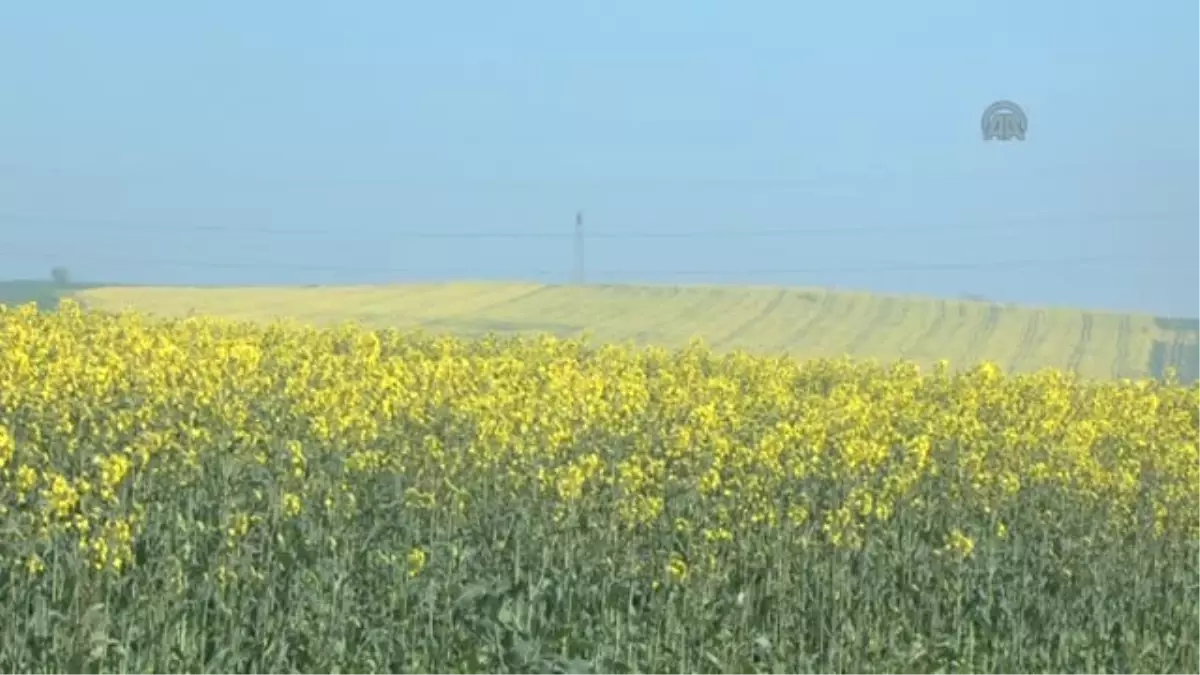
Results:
[771, 142]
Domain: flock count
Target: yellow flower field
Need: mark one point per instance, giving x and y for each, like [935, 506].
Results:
[192, 494]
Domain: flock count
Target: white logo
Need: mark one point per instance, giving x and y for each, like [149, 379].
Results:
[1004, 121]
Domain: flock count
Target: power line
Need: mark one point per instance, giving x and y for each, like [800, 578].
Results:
[1030, 222]
[922, 266]
[880, 266]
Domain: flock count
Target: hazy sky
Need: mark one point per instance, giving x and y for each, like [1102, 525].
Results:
[829, 144]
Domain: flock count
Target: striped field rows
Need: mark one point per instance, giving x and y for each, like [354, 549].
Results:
[797, 321]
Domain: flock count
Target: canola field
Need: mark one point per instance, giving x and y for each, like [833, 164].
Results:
[195, 494]
[803, 323]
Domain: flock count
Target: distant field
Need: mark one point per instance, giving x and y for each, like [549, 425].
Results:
[800, 322]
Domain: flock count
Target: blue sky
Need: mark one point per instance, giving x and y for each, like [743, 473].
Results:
[824, 144]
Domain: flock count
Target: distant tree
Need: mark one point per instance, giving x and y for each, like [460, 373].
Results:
[61, 276]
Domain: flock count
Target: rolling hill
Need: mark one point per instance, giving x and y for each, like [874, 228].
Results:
[797, 321]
